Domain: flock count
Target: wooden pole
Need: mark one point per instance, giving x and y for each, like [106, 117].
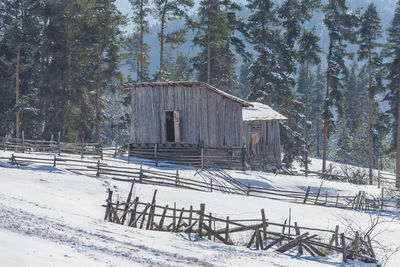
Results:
[201, 219]
[23, 142]
[227, 229]
[59, 147]
[264, 224]
[343, 247]
[155, 155]
[176, 178]
[202, 158]
[243, 158]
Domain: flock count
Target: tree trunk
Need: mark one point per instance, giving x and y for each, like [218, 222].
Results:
[398, 136]
[306, 124]
[370, 159]
[141, 40]
[325, 137]
[162, 37]
[99, 81]
[17, 119]
[69, 57]
[208, 54]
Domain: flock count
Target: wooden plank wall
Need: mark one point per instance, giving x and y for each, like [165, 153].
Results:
[206, 117]
[269, 148]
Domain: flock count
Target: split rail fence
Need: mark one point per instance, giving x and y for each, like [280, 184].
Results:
[216, 181]
[261, 233]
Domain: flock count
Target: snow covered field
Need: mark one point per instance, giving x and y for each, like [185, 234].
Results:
[53, 217]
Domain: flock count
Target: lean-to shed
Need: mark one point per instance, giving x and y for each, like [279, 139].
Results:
[262, 138]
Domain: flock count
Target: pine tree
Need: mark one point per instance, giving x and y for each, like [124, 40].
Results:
[370, 32]
[141, 10]
[316, 107]
[106, 19]
[214, 35]
[166, 11]
[393, 94]
[340, 25]
[178, 69]
[309, 55]
[20, 35]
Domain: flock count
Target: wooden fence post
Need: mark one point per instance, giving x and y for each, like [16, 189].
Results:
[248, 188]
[82, 149]
[108, 203]
[382, 199]
[319, 191]
[59, 147]
[201, 218]
[379, 178]
[101, 150]
[190, 215]
[227, 229]
[155, 155]
[54, 163]
[177, 178]
[209, 225]
[4, 144]
[202, 158]
[211, 184]
[98, 168]
[23, 142]
[140, 174]
[243, 158]
[264, 224]
[307, 193]
[343, 247]
[115, 151]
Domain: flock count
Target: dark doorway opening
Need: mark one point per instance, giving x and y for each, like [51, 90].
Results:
[169, 117]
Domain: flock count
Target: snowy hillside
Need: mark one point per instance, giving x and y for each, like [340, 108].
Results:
[54, 217]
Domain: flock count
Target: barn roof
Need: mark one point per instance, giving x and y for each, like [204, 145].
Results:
[261, 112]
[188, 84]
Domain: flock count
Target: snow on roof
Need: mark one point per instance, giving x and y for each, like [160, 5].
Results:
[261, 112]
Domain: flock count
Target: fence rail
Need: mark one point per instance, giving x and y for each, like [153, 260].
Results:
[215, 182]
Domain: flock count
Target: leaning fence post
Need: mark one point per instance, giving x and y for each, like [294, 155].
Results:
[201, 218]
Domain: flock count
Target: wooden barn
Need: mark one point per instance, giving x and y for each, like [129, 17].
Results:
[191, 123]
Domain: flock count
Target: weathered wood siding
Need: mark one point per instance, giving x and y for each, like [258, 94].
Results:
[268, 150]
[206, 117]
